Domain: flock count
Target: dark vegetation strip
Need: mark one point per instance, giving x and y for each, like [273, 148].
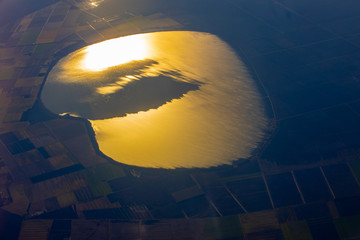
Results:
[56, 173]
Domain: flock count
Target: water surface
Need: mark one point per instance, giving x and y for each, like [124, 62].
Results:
[165, 99]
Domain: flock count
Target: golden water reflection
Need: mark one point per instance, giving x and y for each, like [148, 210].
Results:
[208, 111]
[115, 52]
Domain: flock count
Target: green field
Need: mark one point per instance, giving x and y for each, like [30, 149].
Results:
[348, 227]
[296, 231]
[29, 37]
[223, 228]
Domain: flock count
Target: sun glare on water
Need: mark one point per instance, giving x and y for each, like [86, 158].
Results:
[114, 52]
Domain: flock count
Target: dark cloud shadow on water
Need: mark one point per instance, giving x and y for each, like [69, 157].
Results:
[142, 94]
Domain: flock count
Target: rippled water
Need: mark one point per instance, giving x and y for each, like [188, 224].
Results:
[165, 99]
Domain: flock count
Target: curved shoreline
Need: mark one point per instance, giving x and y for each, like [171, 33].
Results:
[39, 107]
[269, 131]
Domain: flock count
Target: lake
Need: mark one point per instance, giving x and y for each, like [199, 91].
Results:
[162, 100]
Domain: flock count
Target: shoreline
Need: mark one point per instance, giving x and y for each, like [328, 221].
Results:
[39, 113]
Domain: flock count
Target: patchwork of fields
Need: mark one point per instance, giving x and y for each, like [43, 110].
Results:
[302, 183]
